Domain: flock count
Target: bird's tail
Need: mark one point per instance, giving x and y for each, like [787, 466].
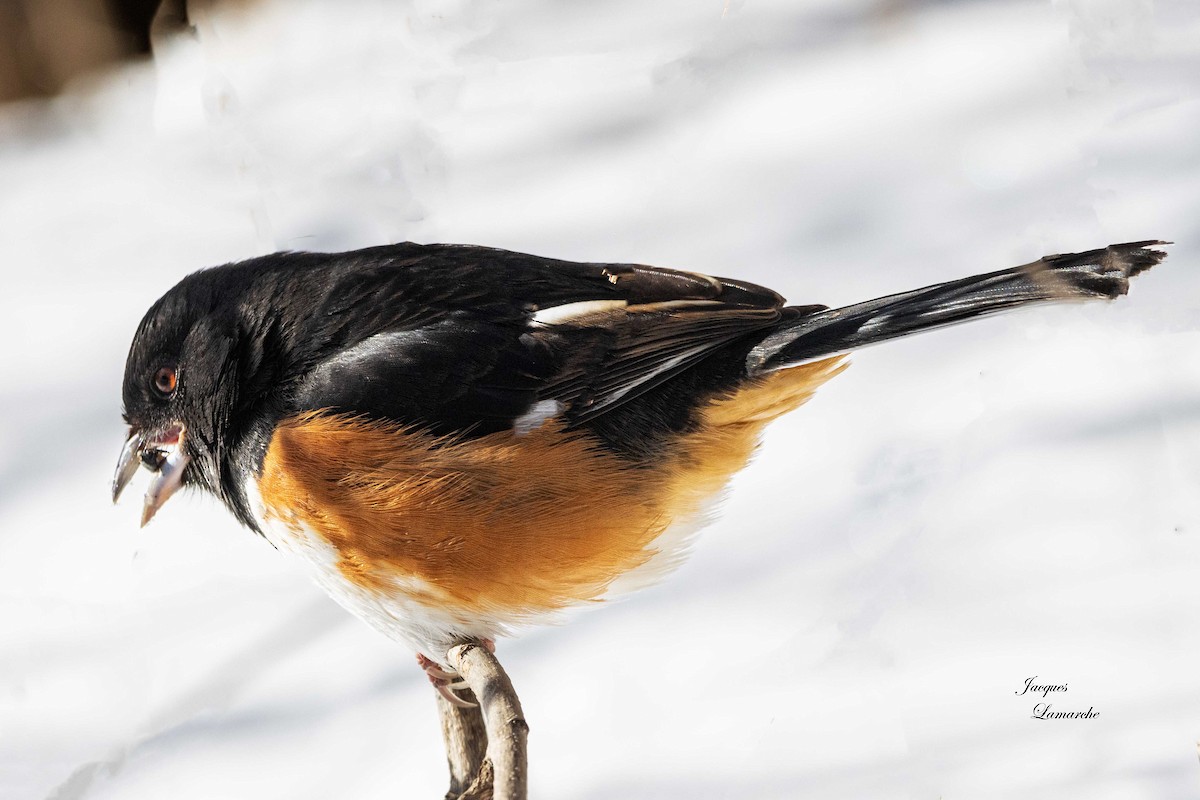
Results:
[1068, 277]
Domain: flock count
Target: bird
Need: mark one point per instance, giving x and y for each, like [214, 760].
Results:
[463, 441]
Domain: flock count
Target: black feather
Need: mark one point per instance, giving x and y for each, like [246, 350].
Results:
[444, 337]
[1102, 274]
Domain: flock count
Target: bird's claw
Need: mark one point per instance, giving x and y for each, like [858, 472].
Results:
[446, 690]
[444, 681]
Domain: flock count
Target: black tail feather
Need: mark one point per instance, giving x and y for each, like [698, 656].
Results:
[1068, 277]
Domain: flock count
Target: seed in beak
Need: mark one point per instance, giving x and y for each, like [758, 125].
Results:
[153, 459]
[163, 454]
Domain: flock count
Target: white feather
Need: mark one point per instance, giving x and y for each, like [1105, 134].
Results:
[556, 315]
[536, 416]
[431, 630]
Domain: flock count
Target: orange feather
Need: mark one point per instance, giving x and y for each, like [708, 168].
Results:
[504, 524]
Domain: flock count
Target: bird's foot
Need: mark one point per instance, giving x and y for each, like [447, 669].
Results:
[445, 681]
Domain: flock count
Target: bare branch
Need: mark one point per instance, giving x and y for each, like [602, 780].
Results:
[506, 729]
[466, 745]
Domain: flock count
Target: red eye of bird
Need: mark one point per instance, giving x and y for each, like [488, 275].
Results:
[164, 380]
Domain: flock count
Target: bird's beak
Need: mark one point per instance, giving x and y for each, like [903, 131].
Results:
[163, 455]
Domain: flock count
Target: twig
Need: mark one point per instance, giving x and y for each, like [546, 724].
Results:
[497, 727]
[466, 744]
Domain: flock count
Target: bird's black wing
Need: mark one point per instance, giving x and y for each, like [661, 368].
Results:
[474, 340]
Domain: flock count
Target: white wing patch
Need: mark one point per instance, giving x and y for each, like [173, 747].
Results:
[536, 416]
[557, 315]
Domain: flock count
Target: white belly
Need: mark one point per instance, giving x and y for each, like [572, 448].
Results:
[429, 630]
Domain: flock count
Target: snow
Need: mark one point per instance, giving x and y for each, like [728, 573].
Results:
[954, 514]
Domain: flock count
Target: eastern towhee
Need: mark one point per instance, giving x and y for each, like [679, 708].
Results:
[462, 440]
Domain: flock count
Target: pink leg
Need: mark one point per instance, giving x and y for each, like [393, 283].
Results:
[443, 681]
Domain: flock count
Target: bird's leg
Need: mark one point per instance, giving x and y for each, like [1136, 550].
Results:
[433, 670]
[444, 681]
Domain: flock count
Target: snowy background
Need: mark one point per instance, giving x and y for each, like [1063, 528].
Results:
[956, 513]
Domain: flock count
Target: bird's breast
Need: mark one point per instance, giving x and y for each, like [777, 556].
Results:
[502, 527]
